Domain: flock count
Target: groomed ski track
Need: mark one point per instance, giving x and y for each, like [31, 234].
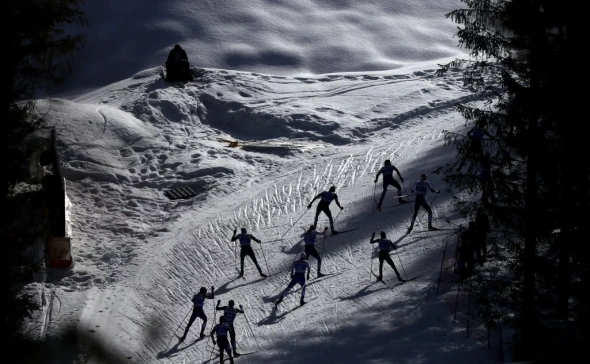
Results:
[349, 315]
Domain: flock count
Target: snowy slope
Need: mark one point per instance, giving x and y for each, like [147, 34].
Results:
[283, 37]
[140, 257]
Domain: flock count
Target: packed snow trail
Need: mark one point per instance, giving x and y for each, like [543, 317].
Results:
[184, 245]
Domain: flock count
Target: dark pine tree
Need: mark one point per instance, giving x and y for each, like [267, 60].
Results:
[522, 54]
[36, 50]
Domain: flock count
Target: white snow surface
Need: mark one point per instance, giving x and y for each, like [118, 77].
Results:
[140, 257]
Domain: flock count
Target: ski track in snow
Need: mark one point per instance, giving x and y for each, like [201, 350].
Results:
[200, 253]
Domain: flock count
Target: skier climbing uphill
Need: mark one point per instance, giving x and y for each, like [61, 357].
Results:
[229, 313]
[221, 330]
[299, 268]
[385, 246]
[421, 188]
[246, 250]
[326, 198]
[198, 302]
[387, 171]
[310, 251]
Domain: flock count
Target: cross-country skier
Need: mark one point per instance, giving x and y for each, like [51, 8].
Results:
[230, 313]
[326, 198]
[199, 301]
[466, 246]
[299, 268]
[246, 250]
[487, 182]
[220, 331]
[385, 246]
[475, 148]
[309, 240]
[420, 189]
[387, 171]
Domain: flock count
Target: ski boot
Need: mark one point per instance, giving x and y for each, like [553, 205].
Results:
[302, 302]
[320, 274]
[380, 278]
[431, 228]
[262, 274]
[278, 301]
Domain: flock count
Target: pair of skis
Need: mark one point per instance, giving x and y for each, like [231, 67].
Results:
[392, 286]
[401, 202]
[381, 280]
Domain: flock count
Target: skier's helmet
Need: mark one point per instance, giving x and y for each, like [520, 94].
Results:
[423, 176]
[203, 290]
[383, 234]
[302, 256]
[231, 303]
[387, 162]
[311, 227]
[221, 319]
[243, 230]
[333, 189]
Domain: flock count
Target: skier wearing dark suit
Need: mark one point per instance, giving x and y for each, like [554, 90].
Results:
[387, 171]
[246, 250]
[326, 198]
[198, 302]
[384, 249]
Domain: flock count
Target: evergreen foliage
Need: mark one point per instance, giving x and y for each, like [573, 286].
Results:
[521, 65]
[37, 51]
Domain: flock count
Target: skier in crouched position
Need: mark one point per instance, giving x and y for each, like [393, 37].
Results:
[326, 198]
[309, 239]
[246, 250]
[420, 189]
[387, 171]
[199, 301]
[385, 246]
[299, 269]
[229, 313]
[220, 331]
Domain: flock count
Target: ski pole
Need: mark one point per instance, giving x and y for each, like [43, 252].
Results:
[371, 258]
[430, 204]
[250, 327]
[400, 263]
[179, 325]
[294, 223]
[324, 246]
[441, 265]
[336, 218]
[214, 318]
[264, 256]
[406, 193]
